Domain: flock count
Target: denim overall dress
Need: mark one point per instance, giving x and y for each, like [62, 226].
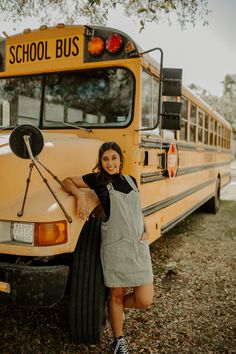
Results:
[126, 261]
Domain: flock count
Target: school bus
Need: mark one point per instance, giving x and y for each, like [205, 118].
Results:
[65, 90]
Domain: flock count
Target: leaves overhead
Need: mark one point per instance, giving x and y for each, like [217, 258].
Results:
[96, 12]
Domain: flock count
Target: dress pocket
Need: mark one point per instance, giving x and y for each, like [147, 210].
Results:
[116, 256]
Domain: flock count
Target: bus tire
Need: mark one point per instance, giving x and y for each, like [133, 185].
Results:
[87, 290]
[213, 204]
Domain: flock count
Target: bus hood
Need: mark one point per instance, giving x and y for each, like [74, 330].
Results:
[64, 155]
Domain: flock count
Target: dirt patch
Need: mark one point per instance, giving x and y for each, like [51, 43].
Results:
[194, 306]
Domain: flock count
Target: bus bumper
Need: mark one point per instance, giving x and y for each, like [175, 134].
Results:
[32, 285]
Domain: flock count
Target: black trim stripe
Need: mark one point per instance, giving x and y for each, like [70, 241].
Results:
[153, 208]
[181, 217]
[181, 146]
[186, 170]
[200, 148]
[151, 177]
[157, 176]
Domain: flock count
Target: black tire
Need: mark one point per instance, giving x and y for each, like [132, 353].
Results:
[87, 290]
[213, 205]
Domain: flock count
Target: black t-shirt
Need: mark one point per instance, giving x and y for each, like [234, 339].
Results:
[119, 183]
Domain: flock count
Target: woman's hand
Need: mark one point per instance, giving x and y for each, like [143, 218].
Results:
[145, 234]
[82, 209]
[144, 237]
[72, 185]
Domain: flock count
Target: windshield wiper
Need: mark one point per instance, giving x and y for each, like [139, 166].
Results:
[78, 127]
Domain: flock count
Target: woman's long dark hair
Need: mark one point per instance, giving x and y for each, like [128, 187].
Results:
[103, 177]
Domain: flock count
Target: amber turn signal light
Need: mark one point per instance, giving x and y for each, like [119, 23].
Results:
[50, 233]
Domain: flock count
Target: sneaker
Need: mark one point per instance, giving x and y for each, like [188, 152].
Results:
[119, 346]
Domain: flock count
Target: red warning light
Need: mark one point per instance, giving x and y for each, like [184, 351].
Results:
[114, 43]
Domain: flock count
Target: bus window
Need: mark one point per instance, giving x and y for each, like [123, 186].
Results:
[193, 123]
[228, 139]
[150, 91]
[215, 134]
[184, 119]
[219, 135]
[211, 131]
[23, 96]
[223, 137]
[200, 126]
[95, 97]
[206, 129]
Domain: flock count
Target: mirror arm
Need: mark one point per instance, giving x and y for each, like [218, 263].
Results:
[27, 143]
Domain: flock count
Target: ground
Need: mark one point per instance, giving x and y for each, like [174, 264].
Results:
[194, 305]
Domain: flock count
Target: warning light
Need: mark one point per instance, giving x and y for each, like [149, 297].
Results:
[96, 46]
[114, 43]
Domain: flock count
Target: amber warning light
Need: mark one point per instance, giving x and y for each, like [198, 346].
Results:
[96, 46]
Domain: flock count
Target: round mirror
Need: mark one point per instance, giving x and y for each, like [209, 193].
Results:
[17, 143]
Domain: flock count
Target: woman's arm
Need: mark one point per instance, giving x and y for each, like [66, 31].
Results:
[72, 185]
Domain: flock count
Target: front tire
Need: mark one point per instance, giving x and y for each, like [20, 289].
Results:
[87, 292]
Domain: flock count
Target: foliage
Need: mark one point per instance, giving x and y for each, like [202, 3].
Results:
[225, 105]
[96, 11]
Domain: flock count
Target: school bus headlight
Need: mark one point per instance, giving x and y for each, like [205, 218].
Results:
[51, 233]
[96, 46]
[22, 232]
[114, 43]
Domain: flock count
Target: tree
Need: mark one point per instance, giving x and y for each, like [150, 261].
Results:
[225, 105]
[96, 11]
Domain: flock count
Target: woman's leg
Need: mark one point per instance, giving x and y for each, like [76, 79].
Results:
[116, 307]
[141, 297]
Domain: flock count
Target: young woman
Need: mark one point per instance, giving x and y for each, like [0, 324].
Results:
[125, 252]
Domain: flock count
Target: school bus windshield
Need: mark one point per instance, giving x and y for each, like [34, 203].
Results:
[92, 98]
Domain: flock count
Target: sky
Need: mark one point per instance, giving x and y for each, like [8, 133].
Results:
[205, 53]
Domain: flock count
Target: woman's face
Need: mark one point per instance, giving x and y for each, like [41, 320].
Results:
[111, 161]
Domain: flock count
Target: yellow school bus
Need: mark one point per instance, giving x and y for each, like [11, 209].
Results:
[63, 92]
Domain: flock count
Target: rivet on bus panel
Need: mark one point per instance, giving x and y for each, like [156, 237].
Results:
[43, 27]
[26, 30]
[60, 25]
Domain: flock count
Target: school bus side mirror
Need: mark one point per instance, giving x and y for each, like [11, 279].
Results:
[171, 110]
[171, 82]
[171, 115]
[18, 145]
